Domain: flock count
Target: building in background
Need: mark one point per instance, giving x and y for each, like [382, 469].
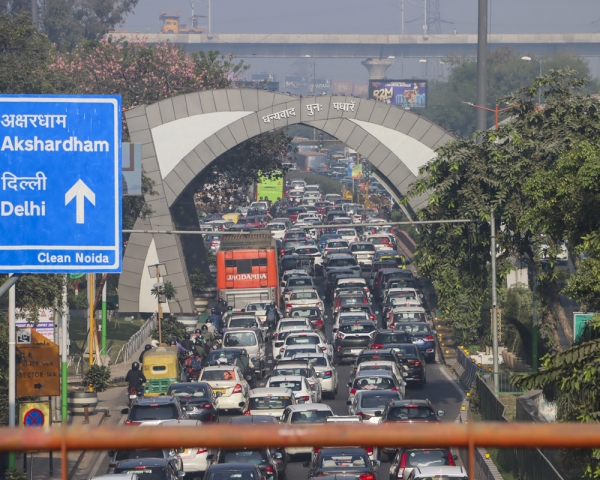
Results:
[342, 87]
[361, 90]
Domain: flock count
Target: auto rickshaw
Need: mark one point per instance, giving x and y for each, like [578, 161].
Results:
[161, 368]
[234, 217]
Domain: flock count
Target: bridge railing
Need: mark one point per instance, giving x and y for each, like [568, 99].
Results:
[138, 338]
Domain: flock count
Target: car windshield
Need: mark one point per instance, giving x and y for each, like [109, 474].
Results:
[239, 339]
[256, 457]
[356, 328]
[376, 401]
[299, 282]
[147, 473]
[216, 375]
[242, 323]
[304, 312]
[295, 385]
[302, 372]
[302, 340]
[270, 402]
[427, 458]
[406, 350]
[133, 454]
[373, 383]
[233, 475]
[304, 296]
[314, 361]
[345, 461]
[311, 416]
[406, 413]
[188, 390]
[140, 413]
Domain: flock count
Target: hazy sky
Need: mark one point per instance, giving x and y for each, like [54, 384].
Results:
[370, 16]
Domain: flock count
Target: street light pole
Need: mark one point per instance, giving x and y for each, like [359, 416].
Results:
[540, 61]
[496, 111]
[482, 62]
[494, 303]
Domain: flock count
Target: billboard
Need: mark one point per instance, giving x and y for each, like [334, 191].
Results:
[357, 171]
[361, 90]
[295, 82]
[270, 188]
[409, 94]
[341, 87]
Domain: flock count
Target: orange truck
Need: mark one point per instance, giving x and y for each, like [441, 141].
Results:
[247, 269]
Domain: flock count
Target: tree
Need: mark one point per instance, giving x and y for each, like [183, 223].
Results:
[467, 180]
[506, 73]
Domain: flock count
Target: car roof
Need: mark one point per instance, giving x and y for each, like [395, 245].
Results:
[254, 419]
[266, 391]
[282, 378]
[148, 462]
[302, 407]
[373, 373]
[233, 466]
[161, 400]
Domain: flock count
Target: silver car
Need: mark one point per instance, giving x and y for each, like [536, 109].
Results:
[369, 404]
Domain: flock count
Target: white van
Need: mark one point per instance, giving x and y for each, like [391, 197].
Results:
[254, 343]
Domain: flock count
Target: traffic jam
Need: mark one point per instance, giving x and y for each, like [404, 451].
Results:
[319, 319]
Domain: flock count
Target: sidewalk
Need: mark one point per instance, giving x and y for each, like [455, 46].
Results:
[119, 370]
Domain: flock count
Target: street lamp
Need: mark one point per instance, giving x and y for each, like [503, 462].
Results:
[157, 271]
[495, 110]
[540, 61]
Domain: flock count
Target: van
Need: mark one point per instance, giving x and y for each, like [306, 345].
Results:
[254, 343]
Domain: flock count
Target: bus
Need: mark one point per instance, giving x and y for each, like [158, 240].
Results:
[311, 161]
[247, 269]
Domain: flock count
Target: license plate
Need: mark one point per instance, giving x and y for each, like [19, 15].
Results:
[356, 350]
[219, 390]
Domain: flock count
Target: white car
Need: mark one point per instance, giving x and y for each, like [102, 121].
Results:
[270, 401]
[292, 350]
[381, 241]
[229, 385]
[325, 371]
[298, 185]
[304, 369]
[306, 297]
[278, 230]
[303, 415]
[311, 250]
[388, 366]
[298, 384]
[363, 252]
[296, 283]
[348, 234]
[292, 273]
[333, 244]
[446, 472]
[287, 325]
[349, 317]
[306, 338]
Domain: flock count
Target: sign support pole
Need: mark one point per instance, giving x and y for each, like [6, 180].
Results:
[63, 346]
[91, 300]
[12, 368]
[103, 351]
[160, 312]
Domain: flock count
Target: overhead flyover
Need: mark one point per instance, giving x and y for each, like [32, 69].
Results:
[183, 135]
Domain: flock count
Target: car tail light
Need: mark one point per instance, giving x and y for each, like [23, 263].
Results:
[402, 465]
[361, 415]
[275, 336]
[318, 322]
[237, 389]
[355, 239]
[305, 398]
[323, 348]
[394, 389]
[367, 476]
[112, 464]
[416, 363]
[288, 305]
[247, 412]
[353, 391]
[316, 449]
[129, 422]
[376, 346]
[327, 374]
[429, 338]
[201, 450]
[450, 459]
[269, 469]
[372, 316]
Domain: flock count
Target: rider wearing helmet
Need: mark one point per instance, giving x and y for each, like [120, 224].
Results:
[222, 360]
[215, 319]
[206, 334]
[187, 342]
[193, 365]
[135, 377]
[147, 348]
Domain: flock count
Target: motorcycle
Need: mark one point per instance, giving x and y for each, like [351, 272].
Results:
[134, 394]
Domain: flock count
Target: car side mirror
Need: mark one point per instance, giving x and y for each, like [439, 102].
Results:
[455, 457]
[440, 413]
[377, 463]
[377, 312]
[248, 377]
[378, 413]
[403, 384]
[405, 374]
[325, 317]
[124, 411]
[434, 332]
[306, 464]
[277, 456]
[348, 402]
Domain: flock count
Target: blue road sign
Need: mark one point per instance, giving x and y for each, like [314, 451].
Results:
[34, 418]
[60, 183]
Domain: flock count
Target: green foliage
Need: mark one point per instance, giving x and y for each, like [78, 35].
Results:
[97, 378]
[506, 73]
[211, 258]
[198, 280]
[168, 289]
[171, 328]
[15, 474]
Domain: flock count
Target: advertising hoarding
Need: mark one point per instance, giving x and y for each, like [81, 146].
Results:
[341, 87]
[410, 94]
[361, 90]
[270, 188]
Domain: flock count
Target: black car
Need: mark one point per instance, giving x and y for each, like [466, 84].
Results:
[278, 453]
[423, 337]
[261, 457]
[412, 360]
[383, 338]
[234, 471]
[141, 453]
[153, 409]
[347, 261]
[197, 399]
[151, 468]
[351, 338]
[342, 461]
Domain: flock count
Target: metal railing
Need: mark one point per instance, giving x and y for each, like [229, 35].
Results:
[525, 464]
[504, 384]
[496, 435]
[135, 342]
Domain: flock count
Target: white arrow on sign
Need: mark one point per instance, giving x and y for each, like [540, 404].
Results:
[80, 191]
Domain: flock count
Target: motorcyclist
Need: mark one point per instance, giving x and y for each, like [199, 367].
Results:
[207, 336]
[135, 378]
[193, 365]
[187, 342]
[215, 319]
[202, 348]
[147, 348]
[272, 315]
[196, 334]
[222, 360]
[211, 327]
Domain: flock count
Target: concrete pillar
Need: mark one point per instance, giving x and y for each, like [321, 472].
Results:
[377, 67]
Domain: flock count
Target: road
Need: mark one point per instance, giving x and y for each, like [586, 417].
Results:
[441, 389]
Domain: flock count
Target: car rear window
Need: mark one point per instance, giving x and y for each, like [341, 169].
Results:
[406, 351]
[356, 328]
[342, 461]
[305, 312]
[216, 375]
[303, 372]
[314, 361]
[309, 349]
[373, 383]
[233, 475]
[413, 327]
[270, 402]
[391, 337]
[341, 262]
[408, 413]
[294, 385]
[242, 323]
[429, 458]
[147, 473]
[239, 339]
[304, 296]
[300, 282]
[256, 457]
[311, 416]
[133, 454]
[302, 340]
[140, 413]
[337, 244]
[383, 357]
[352, 300]
[375, 401]
[409, 317]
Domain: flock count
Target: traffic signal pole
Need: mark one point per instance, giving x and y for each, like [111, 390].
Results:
[12, 368]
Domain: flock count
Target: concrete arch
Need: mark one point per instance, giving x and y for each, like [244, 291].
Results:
[184, 134]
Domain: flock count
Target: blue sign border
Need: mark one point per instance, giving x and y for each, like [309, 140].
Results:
[117, 245]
